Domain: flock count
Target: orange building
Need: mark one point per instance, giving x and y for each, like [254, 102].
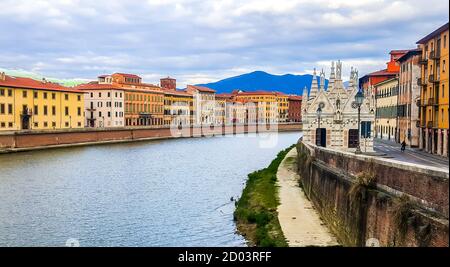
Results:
[434, 94]
[143, 103]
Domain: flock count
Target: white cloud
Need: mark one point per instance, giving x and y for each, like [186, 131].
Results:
[199, 41]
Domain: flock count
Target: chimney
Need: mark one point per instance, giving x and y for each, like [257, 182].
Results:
[44, 80]
[2, 76]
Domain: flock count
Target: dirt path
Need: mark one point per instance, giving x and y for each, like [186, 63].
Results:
[299, 221]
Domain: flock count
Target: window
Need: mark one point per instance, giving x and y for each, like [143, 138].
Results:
[79, 97]
[2, 92]
[9, 92]
[79, 111]
[36, 124]
[10, 109]
[66, 97]
[10, 124]
[443, 90]
[36, 110]
[92, 95]
[24, 94]
[99, 94]
[53, 110]
[53, 96]
[45, 110]
[443, 66]
[45, 124]
[2, 125]
[35, 94]
[445, 41]
[45, 95]
[79, 124]
[2, 108]
[66, 111]
[67, 124]
[99, 113]
[109, 114]
[53, 124]
[109, 94]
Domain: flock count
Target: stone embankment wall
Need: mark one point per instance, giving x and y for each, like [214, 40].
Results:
[29, 140]
[365, 198]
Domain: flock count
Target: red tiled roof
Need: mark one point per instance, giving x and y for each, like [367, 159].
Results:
[259, 93]
[382, 73]
[176, 92]
[201, 88]
[411, 52]
[97, 86]
[128, 75]
[400, 51]
[28, 83]
[295, 97]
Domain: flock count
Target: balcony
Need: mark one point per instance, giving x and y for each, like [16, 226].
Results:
[435, 55]
[433, 79]
[431, 101]
[421, 82]
[423, 60]
[431, 124]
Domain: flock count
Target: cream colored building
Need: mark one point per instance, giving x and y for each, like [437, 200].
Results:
[104, 105]
[204, 104]
[386, 123]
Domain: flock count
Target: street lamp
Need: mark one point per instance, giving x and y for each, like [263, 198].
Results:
[359, 98]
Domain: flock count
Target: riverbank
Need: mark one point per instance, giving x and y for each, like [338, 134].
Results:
[256, 213]
[300, 222]
[11, 142]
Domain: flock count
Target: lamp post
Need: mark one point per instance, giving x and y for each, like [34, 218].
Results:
[359, 98]
[319, 112]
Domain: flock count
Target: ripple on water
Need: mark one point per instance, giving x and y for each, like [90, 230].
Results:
[165, 193]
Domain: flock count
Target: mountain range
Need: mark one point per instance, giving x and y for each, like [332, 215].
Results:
[260, 80]
[253, 81]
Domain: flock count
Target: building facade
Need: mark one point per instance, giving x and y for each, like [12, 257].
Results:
[386, 109]
[27, 104]
[178, 108]
[104, 105]
[409, 98]
[434, 95]
[268, 104]
[204, 104]
[330, 118]
[295, 108]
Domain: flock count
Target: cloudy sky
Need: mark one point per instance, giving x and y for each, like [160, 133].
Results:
[198, 41]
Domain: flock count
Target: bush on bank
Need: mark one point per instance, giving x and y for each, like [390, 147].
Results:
[256, 211]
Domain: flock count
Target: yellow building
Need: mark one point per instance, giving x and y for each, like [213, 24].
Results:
[386, 124]
[283, 106]
[270, 104]
[434, 93]
[27, 104]
[178, 108]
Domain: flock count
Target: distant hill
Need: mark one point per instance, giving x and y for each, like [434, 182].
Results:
[32, 75]
[260, 80]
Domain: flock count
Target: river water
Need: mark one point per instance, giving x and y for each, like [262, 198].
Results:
[158, 193]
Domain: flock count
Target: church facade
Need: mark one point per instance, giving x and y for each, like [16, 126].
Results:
[336, 125]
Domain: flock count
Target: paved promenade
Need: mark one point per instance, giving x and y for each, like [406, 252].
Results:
[411, 155]
[299, 221]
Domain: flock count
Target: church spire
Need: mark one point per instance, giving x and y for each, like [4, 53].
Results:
[305, 94]
[351, 81]
[314, 86]
[322, 80]
[332, 77]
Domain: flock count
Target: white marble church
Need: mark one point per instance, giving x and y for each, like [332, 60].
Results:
[330, 117]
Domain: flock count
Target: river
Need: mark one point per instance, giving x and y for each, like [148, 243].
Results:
[159, 193]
